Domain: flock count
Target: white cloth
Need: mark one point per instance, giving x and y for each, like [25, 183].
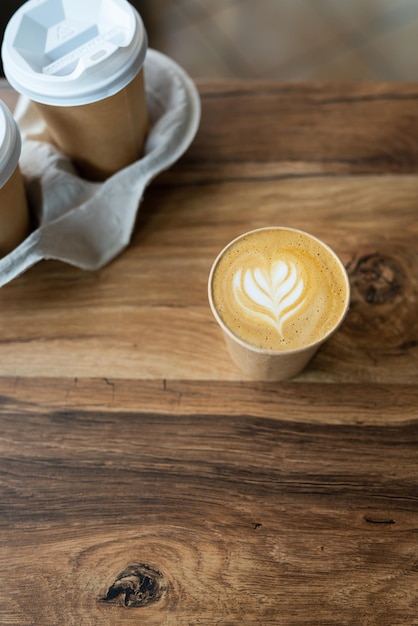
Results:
[88, 224]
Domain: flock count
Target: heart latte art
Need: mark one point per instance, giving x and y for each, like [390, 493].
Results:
[273, 294]
[278, 289]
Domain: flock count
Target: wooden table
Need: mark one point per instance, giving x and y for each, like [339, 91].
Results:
[142, 480]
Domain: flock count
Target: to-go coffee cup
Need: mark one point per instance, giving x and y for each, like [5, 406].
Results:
[81, 63]
[278, 294]
[14, 214]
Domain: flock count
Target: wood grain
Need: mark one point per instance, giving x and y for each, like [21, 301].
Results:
[257, 508]
[84, 324]
[142, 481]
[268, 511]
[302, 130]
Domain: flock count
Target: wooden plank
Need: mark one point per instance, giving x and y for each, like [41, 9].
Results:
[354, 404]
[312, 403]
[146, 314]
[367, 128]
[231, 514]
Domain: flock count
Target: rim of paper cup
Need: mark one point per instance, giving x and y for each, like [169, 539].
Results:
[266, 351]
[118, 69]
[10, 144]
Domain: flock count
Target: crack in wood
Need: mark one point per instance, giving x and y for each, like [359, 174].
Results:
[370, 520]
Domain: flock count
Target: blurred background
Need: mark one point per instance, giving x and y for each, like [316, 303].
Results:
[327, 40]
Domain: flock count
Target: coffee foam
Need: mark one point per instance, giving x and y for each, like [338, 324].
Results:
[279, 289]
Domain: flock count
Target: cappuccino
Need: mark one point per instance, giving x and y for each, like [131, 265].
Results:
[278, 291]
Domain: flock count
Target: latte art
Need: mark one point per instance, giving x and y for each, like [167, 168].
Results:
[278, 289]
[273, 294]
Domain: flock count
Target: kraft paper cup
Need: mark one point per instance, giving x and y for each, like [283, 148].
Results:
[81, 63]
[14, 214]
[275, 365]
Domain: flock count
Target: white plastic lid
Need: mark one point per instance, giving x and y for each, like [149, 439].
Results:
[10, 144]
[71, 52]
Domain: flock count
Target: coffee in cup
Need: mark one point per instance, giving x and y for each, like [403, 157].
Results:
[14, 214]
[81, 63]
[278, 294]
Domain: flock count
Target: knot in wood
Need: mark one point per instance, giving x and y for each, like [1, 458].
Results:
[137, 586]
[376, 278]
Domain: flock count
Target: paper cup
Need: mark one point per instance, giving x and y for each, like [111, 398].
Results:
[14, 214]
[82, 64]
[277, 294]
